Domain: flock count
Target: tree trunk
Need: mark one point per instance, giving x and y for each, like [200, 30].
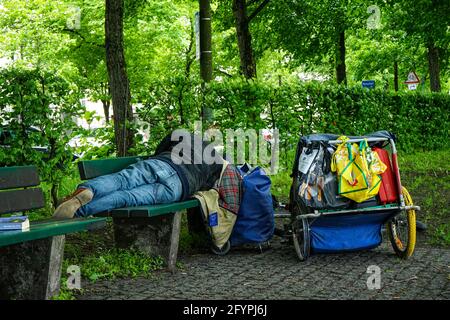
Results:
[205, 41]
[395, 75]
[106, 104]
[118, 78]
[205, 54]
[434, 68]
[106, 100]
[248, 65]
[341, 74]
[190, 58]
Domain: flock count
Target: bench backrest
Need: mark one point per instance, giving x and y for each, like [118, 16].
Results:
[93, 168]
[23, 196]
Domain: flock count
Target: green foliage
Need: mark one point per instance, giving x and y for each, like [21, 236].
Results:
[420, 121]
[41, 100]
[281, 185]
[317, 24]
[96, 144]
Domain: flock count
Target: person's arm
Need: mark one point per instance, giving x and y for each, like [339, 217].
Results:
[166, 144]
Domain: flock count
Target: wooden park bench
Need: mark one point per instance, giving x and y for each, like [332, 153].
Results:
[31, 261]
[153, 229]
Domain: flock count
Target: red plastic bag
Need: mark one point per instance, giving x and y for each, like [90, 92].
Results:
[388, 190]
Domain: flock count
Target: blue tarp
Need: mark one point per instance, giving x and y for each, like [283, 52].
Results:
[347, 232]
[255, 219]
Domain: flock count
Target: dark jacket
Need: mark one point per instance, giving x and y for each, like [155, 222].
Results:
[194, 177]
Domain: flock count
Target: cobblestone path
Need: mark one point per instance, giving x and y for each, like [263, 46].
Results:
[277, 274]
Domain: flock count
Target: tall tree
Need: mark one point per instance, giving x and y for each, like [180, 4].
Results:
[434, 66]
[205, 52]
[341, 69]
[428, 22]
[118, 78]
[316, 31]
[244, 37]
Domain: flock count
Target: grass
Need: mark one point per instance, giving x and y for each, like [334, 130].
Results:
[281, 185]
[425, 162]
[426, 176]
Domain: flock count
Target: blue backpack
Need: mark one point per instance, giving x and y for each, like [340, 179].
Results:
[255, 220]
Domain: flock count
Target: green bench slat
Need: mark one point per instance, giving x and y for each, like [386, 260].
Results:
[94, 168]
[20, 200]
[154, 210]
[18, 177]
[48, 228]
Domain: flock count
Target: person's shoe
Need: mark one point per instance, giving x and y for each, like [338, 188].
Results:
[72, 203]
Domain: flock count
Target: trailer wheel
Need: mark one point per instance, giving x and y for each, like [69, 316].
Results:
[301, 239]
[221, 251]
[402, 230]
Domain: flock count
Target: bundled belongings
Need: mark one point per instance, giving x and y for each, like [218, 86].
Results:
[255, 221]
[344, 190]
[316, 185]
[239, 210]
[388, 191]
[220, 206]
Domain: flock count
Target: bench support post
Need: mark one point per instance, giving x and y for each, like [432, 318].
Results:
[174, 239]
[155, 236]
[31, 270]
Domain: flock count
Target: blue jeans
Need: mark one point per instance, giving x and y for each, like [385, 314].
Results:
[146, 182]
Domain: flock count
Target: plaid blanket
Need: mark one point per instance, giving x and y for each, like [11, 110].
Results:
[230, 189]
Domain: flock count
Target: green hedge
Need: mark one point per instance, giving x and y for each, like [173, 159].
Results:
[420, 121]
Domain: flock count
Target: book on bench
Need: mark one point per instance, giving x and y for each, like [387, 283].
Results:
[15, 223]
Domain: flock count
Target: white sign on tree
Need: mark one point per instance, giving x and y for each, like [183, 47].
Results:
[197, 35]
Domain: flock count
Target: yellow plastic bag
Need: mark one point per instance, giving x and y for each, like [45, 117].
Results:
[373, 168]
[352, 180]
[358, 169]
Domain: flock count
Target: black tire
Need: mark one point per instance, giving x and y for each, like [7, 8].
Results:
[221, 251]
[402, 230]
[301, 239]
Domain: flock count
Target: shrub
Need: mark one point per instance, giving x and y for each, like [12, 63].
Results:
[419, 120]
[40, 100]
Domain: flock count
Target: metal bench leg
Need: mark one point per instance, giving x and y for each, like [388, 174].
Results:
[31, 270]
